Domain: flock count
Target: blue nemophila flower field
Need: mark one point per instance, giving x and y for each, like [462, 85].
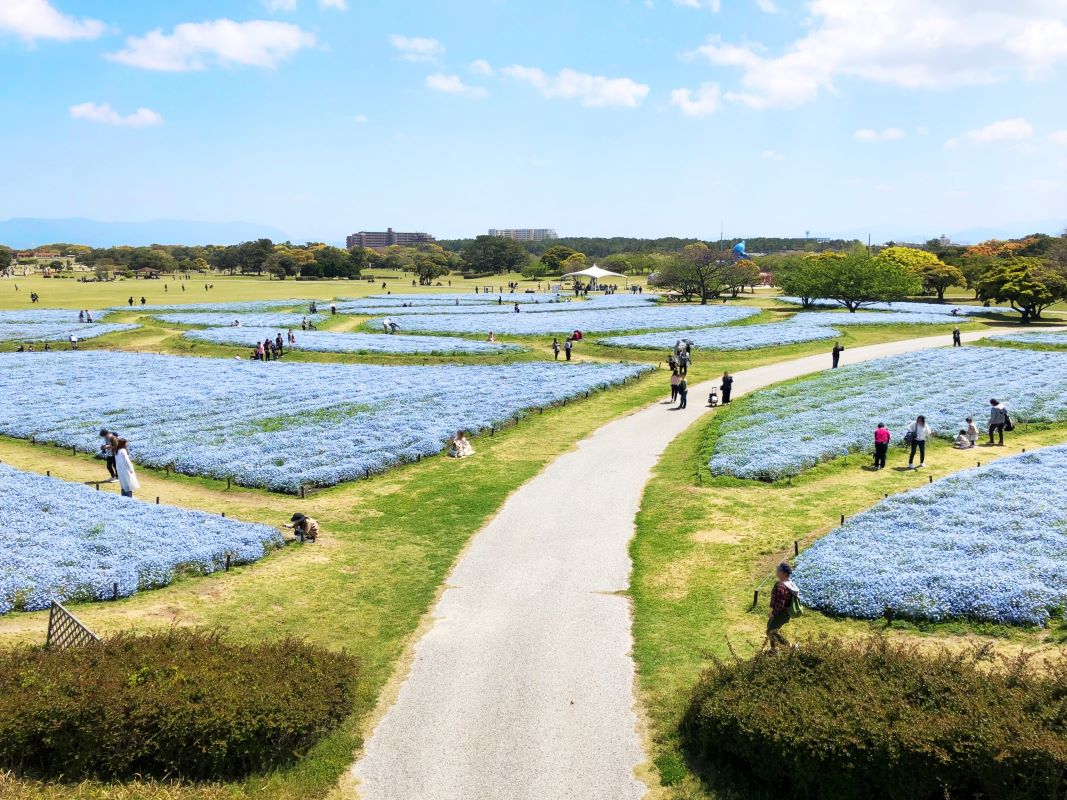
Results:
[733, 337]
[986, 544]
[1059, 339]
[56, 332]
[782, 431]
[327, 342]
[588, 317]
[280, 320]
[499, 304]
[227, 308]
[54, 316]
[71, 542]
[276, 425]
[945, 309]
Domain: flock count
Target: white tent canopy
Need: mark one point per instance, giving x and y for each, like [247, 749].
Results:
[595, 273]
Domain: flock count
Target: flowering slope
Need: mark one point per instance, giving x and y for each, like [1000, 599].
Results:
[945, 309]
[70, 542]
[277, 425]
[54, 316]
[251, 320]
[56, 332]
[734, 337]
[235, 307]
[1059, 339]
[987, 544]
[327, 342]
[785, 430]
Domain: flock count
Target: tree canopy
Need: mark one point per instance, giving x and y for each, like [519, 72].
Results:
[493, 254]
[1029, 284]
[857, 280]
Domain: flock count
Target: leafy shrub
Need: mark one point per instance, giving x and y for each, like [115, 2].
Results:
[881, 720]
[178, 704]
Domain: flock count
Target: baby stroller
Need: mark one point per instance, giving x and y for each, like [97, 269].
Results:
[713, 398]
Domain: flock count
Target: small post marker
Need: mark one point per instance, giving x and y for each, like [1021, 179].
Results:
[115, 590]
[842, 519]
[157, 499]
[931, 477]
[98, 486]
[796, 548]
[301, 492]
[48, 472]
[227, 482]
[224, 514]
[73, 451]
[227, 562]
[755, 598]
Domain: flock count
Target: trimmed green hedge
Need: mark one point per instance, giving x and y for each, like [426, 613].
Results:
[875, 719]
[182, 704]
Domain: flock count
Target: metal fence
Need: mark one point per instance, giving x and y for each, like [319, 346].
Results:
[66, 630]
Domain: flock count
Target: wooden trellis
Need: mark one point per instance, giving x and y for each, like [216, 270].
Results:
[66, 630]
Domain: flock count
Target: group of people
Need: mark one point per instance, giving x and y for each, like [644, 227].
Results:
[29, 348]
[85, 316]
[271, 349]
[143, 300]
[680, 389]
[919, 432]
[568, 345]
[116, 453]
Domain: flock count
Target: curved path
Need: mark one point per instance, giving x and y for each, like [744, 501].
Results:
[523, 685]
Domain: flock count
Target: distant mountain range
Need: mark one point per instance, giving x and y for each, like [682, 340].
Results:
[907, 233]
[24, 233]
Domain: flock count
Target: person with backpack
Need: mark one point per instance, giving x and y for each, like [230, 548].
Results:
[881, 445]
[915, 436]
[785, 604]
[998, 421]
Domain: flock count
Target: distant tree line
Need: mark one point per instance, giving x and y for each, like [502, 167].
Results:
[598, 248]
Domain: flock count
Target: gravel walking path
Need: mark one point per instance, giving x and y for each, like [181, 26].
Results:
[523, 687]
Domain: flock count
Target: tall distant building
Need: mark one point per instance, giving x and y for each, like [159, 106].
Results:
[525, 234]
[379, 239]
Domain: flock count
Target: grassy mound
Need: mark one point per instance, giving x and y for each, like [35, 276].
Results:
[875, 719]
[174, 704]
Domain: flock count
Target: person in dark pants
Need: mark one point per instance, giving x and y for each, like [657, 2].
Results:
[956, 338]
[998, 420]
[555, 349]
[683, 392]
[567, 345]
[836, 354]
[916, 435]
[881, 445]
[108, 450]
[726, 387]
[781, 599]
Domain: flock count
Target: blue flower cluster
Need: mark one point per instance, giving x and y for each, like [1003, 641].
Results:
[69, 542]
[227, 308]
[945, 309]
[540, 304]
[597, 316]
[986, 544]
[252, 320]
[327, 342]
[53, 316]
[56, 332]
[1059, 339]
[732, 337]
[793, 427]
[378, 304]
[276, 425]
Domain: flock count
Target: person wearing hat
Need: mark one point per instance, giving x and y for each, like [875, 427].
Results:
[304, 527]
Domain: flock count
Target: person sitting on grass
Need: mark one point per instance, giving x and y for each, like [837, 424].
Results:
[304, 527]
[461, 446]
[782, 597]
[963, 441]
[492, 337]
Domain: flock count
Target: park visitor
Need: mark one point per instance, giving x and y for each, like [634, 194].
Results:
[726, 387]
[835, 354]
[492, 337]
[517, 309]
[676, 378]
[73, 342]
[998, 421]
[956, 338]
[915, 436]
[143, 301]
[305, 528]
[278, 344]
[461, 446]
[81, 316]
[127, 476]
[783, 598]
[881, 445]
[567, 345]
[684, 360]
[683, 392]
[963, 441]
[972, 431]
[555, 348]
[130, 301]
[88, 315]
[107, 450]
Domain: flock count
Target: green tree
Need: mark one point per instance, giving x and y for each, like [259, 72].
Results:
[333, 262]
[935, 275]
[708, 268]
[857, 280]
[739, 274]
[281, 264]
[6, 257]
[1029, 284]
[554, 256]
[802, 275]
[430, 265]
[493, 254]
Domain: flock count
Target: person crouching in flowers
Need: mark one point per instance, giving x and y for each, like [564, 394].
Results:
[461, 446]
[783, 595]
[305, 528]
[128, 483]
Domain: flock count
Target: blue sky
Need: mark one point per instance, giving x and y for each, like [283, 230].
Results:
[604, 117]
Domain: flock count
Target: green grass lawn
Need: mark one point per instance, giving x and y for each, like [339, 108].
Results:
[703, 548]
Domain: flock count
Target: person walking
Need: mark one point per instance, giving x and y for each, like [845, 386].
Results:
[782, 597]
[567, 345]
[956, 338]
[881, 445]
[998, 421]
[835, 354]
[683, 392]
[107, 449]
[726, 387]
[555, 348]
[128, 483]
[676, 378]
[915, 436]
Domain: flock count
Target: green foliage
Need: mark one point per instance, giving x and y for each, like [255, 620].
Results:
[1030, 284]
[599, 247]
[493, 254]
[801, 275]
[839, 720]
[936, 276]
[180, 703]
[554, 257]
[857, 279]
[6, 257]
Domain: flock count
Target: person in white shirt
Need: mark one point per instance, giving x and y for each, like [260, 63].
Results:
[127, 475]
[916, 435]
[461, 446]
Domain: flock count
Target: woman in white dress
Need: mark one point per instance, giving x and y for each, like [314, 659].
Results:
[127, 475]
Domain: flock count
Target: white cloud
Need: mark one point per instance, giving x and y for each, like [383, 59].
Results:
[913, 44]
[340, 5]
[196, 45]
[360, 118]
[417, 48]
[39, 19]
[705, 101]
[106, 115]
[871, 135]
[287, 6]
[1059, 137]
[591, 90]
[712, 5]
[772, 155]
[1006, 130]
[451, 84]
[481, 67]
[767, 6]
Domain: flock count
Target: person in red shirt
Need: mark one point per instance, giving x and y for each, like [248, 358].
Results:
[881, 445]
[781, 599]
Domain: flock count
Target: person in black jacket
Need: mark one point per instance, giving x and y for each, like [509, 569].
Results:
[726, 387]
[836, 354]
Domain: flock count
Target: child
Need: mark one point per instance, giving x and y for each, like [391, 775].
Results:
[963, 441]
[972, 431]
